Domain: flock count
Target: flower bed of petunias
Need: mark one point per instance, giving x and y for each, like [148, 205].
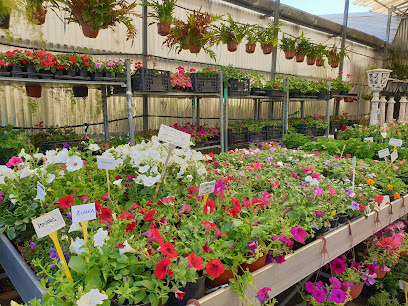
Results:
[144, 248]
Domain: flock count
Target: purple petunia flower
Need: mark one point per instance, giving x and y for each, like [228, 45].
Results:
[350, 193]
[354, 205]
[338, 296]
[262, 295]
[32, 245]
[319, 295]
[65, 145]
[348, 285]
[369, 279]
[309, 287]
[335, 282]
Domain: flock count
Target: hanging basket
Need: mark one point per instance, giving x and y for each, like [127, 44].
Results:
[194, 49]
[319, 63]
[250, 48]
[86, 29]
[300, 58]
[289, 55]
[39, 14]
[232, 45]
[163, 28]
[355, 291]
[33, 91]
[267, 49]
[334, 64]
[5, 22]
[311, 61]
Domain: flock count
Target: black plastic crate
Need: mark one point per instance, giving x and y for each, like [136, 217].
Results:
[307, 130]
[353, 122]
[324, 95]
[239, 88]
[205, 82]
[52, 145]
[151, 80]
[275, 93]
[273, 132]
[237, 137]
[257, 92]
[334, 127]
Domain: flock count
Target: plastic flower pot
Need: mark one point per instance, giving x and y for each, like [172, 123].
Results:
[334, 64]
[163, 28]
[355, 291]
[96, 76]
[194, 49]
[5, 71]
[221, 280]
[267, 49]
[33, 91]
[334, 222]
[311, 61]
[232, 46]
[300, 58]
[80, 91]
[348, 99]
[257, 264]
[380, 273]
[250, 48]
[32, 73]
[319, 63]
[192, 290]
[86, 29]
[343, 218]
[289, 55]
[321, 231]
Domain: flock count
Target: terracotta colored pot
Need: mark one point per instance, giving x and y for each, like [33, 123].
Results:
[250, 48]
[334, 64]
[319, 63]
[194, 48]
[232, 45]
[267, 49]
[86, 29]
[289, 55]
[403, 253]
[355, 291]
[380, 273]
[39, 15]
[33, 91]
[311, 61]
[259, 263]
[348, 100]
[300, 58]
[163, 28]
[221, 280]
[338, 99]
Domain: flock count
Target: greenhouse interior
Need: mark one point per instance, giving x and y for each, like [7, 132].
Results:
[207, 153]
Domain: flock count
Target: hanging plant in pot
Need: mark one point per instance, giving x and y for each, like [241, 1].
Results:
[163, 15]
[335, 57]
[302, 46]
[36, 11]
[94, 15]
[268, 37]
[33, 91]
[288, 45]
[311, 55]
[321, 53]
[252, 38]
[230, 34]
[6, 7]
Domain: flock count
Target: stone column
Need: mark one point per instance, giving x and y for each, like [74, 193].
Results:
[390, 109]
[402, 110]
[374, 108]
[383, 101]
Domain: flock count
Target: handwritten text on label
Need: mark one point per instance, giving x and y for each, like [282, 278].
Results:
[383, 153]
[395, 142]
[173, 136]
[48, 223]
[83, 212]
[106, 163]
[206, 188]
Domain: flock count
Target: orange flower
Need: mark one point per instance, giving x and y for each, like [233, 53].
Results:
[390, 187]
[397, 195]
[370, 182]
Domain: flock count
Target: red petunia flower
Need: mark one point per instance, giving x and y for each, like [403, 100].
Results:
[66, 202]
[236, 208]
[153, 234]
[130, 227]
[209, 226]
[106, 214]
[167, 249]
[97, 206]
[162, 268]
[179, 294]
[149, 216]
[106, 197]
[126, 215]
[207, 249]
[195, 261]
[361, 207]
[84, 198]
[214, 268]
[210, 205]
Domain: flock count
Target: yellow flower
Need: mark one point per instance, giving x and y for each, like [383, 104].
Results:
[390, 187]
[397, 195]
[370, 182]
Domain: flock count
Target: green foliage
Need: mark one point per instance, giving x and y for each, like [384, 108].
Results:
[229, 72]
[303, 45]
[295, 140]
[11, 142]
[231, 31]
[52, 134]
[269, 36]
[383, 298]
[341, 85]
[162, 12]
[287, 44]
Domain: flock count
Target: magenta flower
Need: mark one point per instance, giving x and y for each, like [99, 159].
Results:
[309, 287]
[319, 295]
[338, 296]
[348, 285]
[318, 191]
[338, 266]
[298, 234]
[335, 282]
[262, 295]
[14, 161]
[319, 214]
[280, 258]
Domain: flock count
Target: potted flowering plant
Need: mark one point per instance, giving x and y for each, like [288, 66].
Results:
[231, 34]
[318, 293]
[163, 15]
[181, 80]
[334, 56]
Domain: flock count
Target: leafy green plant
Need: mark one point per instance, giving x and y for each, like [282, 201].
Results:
[302, 45]
[334, 55]
[252, 33]
[287, 44]
[383, 298]
[295, 140]
[230, 32]
[268, 36]
[162, 10]
[229, 72]
[11, 142]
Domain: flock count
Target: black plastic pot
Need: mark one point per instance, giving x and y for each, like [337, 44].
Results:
[18, 71]
[83, 75]
[97, 76]
[46, 74]
[80, 91]
[321, 231]
[192, 290]
[4, 71]
[343, 218]
[334, 222]
[257, 92]
[275, 93]
[116, 304]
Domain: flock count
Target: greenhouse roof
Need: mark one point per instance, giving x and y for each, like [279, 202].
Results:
[382, 7]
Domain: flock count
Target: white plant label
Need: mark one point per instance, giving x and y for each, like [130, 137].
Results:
[48, 223]
[83, 212]
[40, 192]
[395, 142]
[403, 285]
[369, 139]
[394, 156]
[383, 153]
[206, 188]
[106, 163]
[173, 136]
[384, 135]
[331, 136]
[354, 162]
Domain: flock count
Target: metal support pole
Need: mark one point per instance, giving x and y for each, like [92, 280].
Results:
[337, 110]
[302, 109]
[272, 109]
[255, 109]
[359, 102]
[343, 33]
[221, 113]
[144, 53]
[259, 108]
[198, 111]
[328, 112]
[387, 34]
[105, 113]
[226, 119]
[129, 104]
[275, 48]
[285, 109]
[193, 107]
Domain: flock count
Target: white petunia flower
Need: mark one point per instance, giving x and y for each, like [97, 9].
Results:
[144, 169]
[100, 237]
[2, 182]
[148, 181]
[13, 198]
[39, 156]
[189, 177]
[92, 298]
[25, 172]
[77, 247]
[74, 163]
[118, 182]
[62, 156]
[201, 171]
[94, 147]
[127, 248]
[75, 226]
[50, 178]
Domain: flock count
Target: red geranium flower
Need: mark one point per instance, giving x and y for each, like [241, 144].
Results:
[66, 202]
[195, 261]
[179, 294]
[162, 268]
[214, 268]
[379, 199]
[167, 249]
[106, 214]
[72, 59]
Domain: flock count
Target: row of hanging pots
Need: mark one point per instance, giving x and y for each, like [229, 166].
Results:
[34, 91]
[300, 58]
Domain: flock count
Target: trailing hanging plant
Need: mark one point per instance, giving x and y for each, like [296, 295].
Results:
[231, 34]
[302, 45]
[6, 7]
[335, 57]
[268, 37]
[288, 45]
[163, 14]
[94, 15]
